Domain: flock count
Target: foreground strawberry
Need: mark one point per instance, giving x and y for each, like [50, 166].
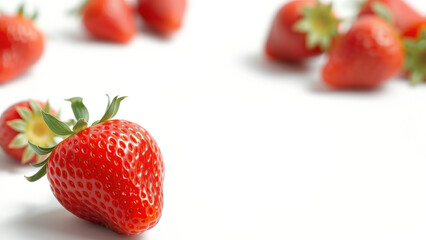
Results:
[370, 53]
[111, 20]
[21, 45]
[21, 123]
[397, 11]
[301, 29]
[164, 16]
[110, 173]
[415, 49]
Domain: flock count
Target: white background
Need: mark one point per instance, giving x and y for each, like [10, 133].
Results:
[252, 149]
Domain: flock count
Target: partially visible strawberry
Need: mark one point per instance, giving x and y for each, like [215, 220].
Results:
[164, 16]
[301, 29]
[21, 123]
[21, 45]
[110, 173]
[370, 53]
[397, 11]
[415, 49]
[111, 20]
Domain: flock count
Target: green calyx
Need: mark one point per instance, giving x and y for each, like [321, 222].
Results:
[382, 11]
[21, 12]
[62, 129]
[31, 127]
[415, 59]
[319, 24]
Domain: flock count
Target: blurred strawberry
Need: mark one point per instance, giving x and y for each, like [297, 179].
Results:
[301, 29]
[370, 53]
[21, 123]
[164, 16]
[111, 20]
[21, 45]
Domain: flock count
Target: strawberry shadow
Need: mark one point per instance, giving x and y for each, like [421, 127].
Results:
[82, 37]
[58, 223]
[146, 30]
[262, 65]
[321, 88]
[10, 165]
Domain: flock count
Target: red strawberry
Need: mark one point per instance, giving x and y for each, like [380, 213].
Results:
[110, 173]
[301, 29]
[111, 20]
[397, 11]
[21, 123]
[21, 45]
[370, 53]
[164, 16]
[415, 50]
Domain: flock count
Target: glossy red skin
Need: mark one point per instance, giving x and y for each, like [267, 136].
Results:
[164, 16]
[111, 20]
[283, 43]
[7, 134]
[404, 15]
[21, 46]
[370, 53]
[110, 174]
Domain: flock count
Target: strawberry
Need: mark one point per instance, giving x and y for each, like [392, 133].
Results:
[415, 50]
[396, 11]
[164, 16]
[110, 173]
[21, 45]
[111, 20]
[370, 53]
[301, 29]
[21, 123]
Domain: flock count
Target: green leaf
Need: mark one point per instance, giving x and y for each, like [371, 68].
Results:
[34, 16]
[24, 113]
[35, 106]
[38, 175]
[416, 77]
[80, 111]
[41, 150]
[19, 141]
[40, 164]
[21, 10]
[18, 125]
[381, 10]
[47, 107]
[112, 108]
[80, 125]
[55, 125]
[28, 154]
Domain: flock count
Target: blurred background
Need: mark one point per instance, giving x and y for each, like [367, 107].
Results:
[252, 149]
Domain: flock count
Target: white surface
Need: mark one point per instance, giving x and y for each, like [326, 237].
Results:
[253, 150]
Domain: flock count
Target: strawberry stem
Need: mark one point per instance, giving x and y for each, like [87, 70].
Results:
[62, 129]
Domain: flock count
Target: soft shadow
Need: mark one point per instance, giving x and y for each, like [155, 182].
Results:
[149, 31]
[58, 223]
[263, 65]
[81, 36]
[9, 164]
[321, 88]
